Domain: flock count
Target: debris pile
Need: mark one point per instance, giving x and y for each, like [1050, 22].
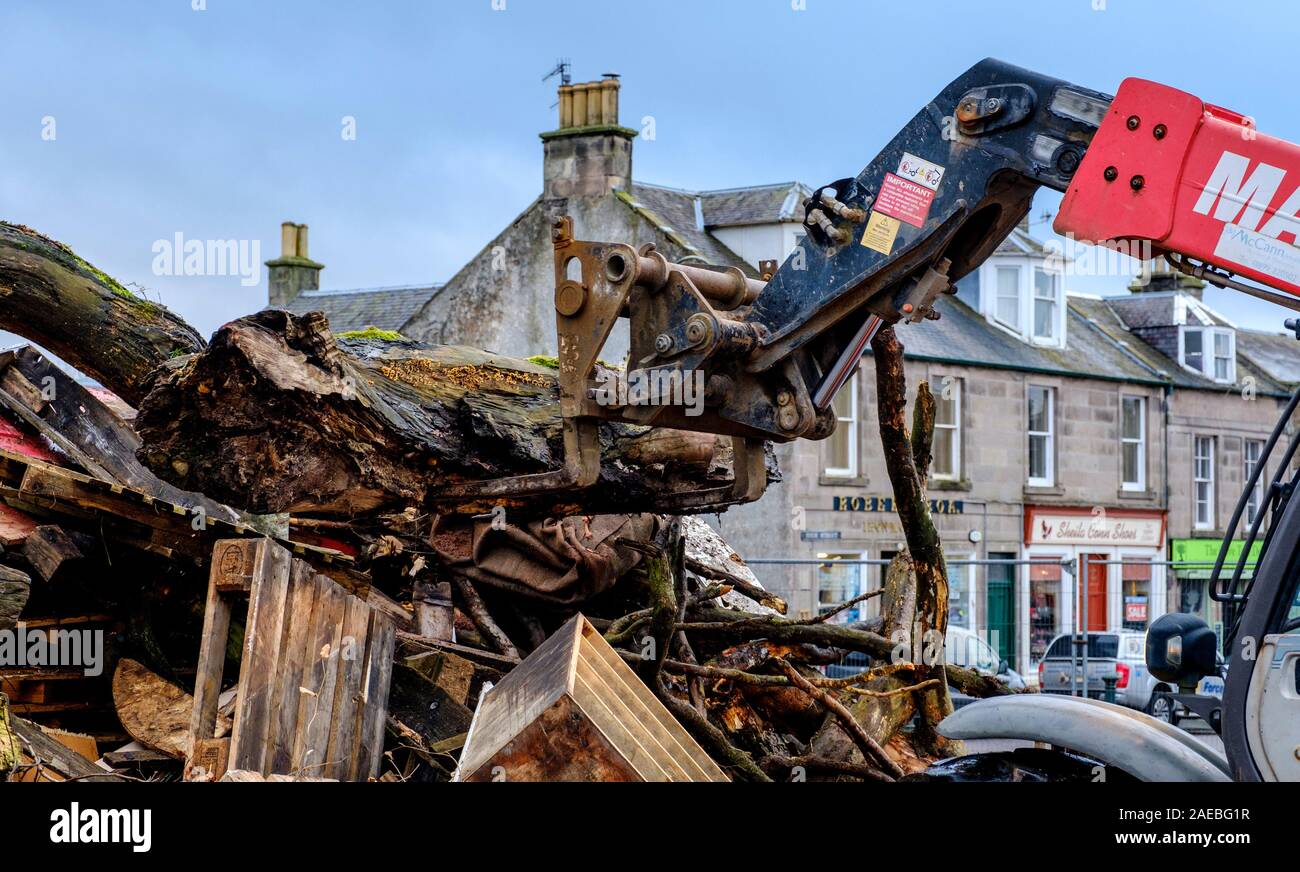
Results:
[231, 563]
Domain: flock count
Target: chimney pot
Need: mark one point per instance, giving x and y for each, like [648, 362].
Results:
[580, 104]
[302, 240]
[288, 239]
[566, 106]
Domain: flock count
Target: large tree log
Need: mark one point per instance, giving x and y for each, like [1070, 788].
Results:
[276, 415]
[51, 296]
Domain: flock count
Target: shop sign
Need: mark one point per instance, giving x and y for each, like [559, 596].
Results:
[886, 504]
[1100, 528]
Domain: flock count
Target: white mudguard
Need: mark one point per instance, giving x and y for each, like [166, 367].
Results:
[1142, 746]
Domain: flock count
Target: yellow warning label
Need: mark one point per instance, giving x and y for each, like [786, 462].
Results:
[880, 233]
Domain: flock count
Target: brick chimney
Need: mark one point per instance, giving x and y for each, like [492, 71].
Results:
[292, 272]
[589, 154]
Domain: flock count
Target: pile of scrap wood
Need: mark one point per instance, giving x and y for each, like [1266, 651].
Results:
[244, 538]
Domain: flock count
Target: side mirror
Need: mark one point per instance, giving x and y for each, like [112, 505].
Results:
[1003, 667]
[1181, 649]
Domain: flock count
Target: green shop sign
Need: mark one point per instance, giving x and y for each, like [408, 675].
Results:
[1205, 552]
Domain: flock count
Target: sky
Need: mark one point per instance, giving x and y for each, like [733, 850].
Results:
[127, 123]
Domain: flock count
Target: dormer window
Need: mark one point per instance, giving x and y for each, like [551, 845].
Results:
[1023, 296]
[1210, 351]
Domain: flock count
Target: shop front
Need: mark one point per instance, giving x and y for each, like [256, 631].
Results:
[1192, 564]
[1092, 567]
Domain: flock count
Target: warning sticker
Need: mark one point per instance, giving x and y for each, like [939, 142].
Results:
[880, 233]
[904, 200]
[921, 171]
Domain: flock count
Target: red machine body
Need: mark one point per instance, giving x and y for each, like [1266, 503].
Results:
[1193, 179]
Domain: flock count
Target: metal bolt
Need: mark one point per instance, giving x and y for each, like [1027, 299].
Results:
[1134, 122]
[663, 343]
[1136, 183]
[695, 332]
[1111, 174]
[784, 398]
[993, 104]
[787, 418]
[1159, 131]
[1068, 161]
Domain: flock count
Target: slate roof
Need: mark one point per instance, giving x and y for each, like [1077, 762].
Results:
[385, 308]
[764, 204]
[1276, 353]
[964, 336]
[674, 213]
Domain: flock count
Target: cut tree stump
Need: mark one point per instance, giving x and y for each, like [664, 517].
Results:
[278, 416]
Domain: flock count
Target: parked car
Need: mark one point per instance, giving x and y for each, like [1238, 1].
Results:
[1120, 655]
[961, 648]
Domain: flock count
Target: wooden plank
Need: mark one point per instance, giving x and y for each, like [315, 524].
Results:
[322, 675]
[212, 661]
[257, 667]
[208, 759]
[20, 388]
[15, 587]
[374, 696]
[48, 549]
[624, 715]
[650, 708]
[294, 655]
[15, 526]
[347, 697]
[530, 689]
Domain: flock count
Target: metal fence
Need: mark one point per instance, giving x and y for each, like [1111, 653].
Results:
[1019, 608]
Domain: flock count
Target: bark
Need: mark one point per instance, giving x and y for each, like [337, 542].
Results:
[54, 298]
[907, 473]
[276, 415]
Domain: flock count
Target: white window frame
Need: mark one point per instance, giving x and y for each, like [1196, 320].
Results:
[1035, 299]
[998, 296]
[1141, 441]
[1206, 480]
[955, 460]
[1209, 352]
[1255, 502]
[1049, 454]
[851, 471]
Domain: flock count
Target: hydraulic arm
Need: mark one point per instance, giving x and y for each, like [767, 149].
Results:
[1152, 163]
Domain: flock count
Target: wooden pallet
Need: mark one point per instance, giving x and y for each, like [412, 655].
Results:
[313, 679]
[574, 711]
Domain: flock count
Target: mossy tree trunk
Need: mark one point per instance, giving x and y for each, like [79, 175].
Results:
[51, 296]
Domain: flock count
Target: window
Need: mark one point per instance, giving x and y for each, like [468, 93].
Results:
[1007, 299]
[842, 446]
[1044, 591]
[838, 582]
[1252, 450]
[1223, 357]
[946, 463]
[1041, 472]
[1046, 296]
[1132, 438]
[959, 591]
[1135, 579]
[1210, 351]
[1203, 483]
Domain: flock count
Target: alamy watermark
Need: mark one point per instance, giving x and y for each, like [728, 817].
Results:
[653, 387]
[53, 647]
[179, 256]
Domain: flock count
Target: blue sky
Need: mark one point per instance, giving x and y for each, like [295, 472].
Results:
[219, 124]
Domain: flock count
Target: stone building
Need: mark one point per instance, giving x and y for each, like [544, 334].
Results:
[1094, 437]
